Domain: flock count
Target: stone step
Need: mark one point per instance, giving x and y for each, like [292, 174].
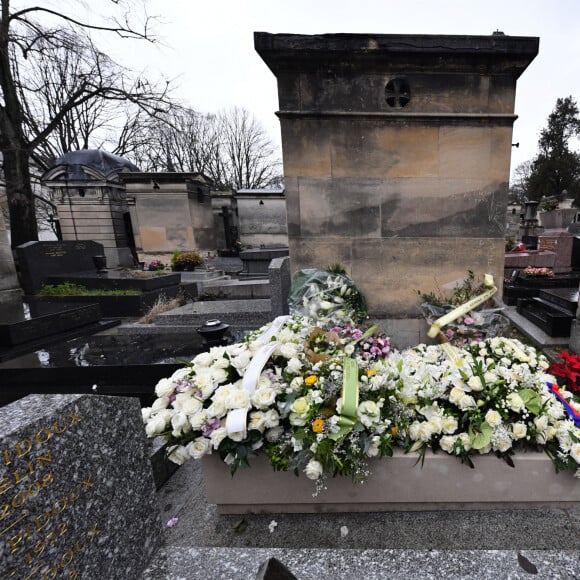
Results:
[552, 319]
[247, 314]
[193, 563]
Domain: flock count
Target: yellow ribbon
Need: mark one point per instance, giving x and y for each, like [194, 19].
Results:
[461, 310]
[347, 419]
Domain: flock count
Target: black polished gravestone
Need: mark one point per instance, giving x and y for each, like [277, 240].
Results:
[40, 260]
[77, 497]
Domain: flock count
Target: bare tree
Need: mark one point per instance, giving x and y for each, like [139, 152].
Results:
[247, 152]
[231, 147]
[53, 79]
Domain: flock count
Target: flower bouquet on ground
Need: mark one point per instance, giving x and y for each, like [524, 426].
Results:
[485, 321]
[532, 272]
[321, 397]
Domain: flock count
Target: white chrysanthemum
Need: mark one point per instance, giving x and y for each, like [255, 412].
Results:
[575, 452]
[294, 365]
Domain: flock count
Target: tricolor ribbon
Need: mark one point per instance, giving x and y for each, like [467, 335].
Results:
[570, 411]
[347, 417]
[236, 420]
[462, 310]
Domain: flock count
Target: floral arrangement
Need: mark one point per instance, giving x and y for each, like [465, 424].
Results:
[568, 371]
[329, 296]
[539, 272]
[185, 261]
[549, 205]
[156, 265]
[322, 398]
[483, 322]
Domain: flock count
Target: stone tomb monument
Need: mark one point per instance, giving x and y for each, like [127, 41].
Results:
[396, 156]
[77, 498]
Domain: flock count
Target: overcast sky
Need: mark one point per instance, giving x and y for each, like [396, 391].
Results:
[209, 47]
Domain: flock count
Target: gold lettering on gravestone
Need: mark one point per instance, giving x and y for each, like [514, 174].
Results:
[30, 535]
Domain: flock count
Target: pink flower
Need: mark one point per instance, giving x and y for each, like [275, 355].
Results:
[468, 320]
[172, 522]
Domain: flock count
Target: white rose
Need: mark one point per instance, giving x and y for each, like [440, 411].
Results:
[241, 361]
[466, 402]
[189, 405]
[217, 409]
[271, 418]
[164, 388]
[264, 398]
[257, 421]
[199, 447]
[575, 452]
[180, 423]
[217, 437]
[313, 470]
[223, 393]
[202, 360]
[177, 454]
[466, 442]
[475, 383]
[197, 420]
[300, 406]
[456, 394]
[436, 424]
[493, 418]
[449, 424]
[446, 442]
[180, 374]
[156, 425]
[221, 363]
[146, 413]
[264, 382]
[160, 403]
[515, 402]
[293, 366]
[239, 399]
[218, 374]
[519, 430]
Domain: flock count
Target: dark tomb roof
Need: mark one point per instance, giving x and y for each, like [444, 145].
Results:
[101, 162]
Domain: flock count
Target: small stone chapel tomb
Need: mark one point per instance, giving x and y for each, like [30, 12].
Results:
[396, 153]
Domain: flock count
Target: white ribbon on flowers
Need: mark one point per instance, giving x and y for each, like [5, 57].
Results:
[236, 421]
[275, 327]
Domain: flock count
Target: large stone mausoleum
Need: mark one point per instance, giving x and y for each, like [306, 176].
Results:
[397, 155]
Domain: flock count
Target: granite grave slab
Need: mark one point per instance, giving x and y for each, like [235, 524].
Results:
[39, 260]
[76, 489]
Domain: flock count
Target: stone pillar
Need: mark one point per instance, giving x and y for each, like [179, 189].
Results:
[396, 154]
[10, 290]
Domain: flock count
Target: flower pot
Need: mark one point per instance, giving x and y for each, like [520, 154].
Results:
[397, 483]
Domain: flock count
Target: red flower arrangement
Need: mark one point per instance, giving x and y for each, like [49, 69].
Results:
[569, 371]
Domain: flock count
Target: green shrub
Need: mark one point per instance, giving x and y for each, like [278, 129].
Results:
[70, 289]
[185, 261]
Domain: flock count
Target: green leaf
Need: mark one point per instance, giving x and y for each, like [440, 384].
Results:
[531, 400]
[482, 437]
